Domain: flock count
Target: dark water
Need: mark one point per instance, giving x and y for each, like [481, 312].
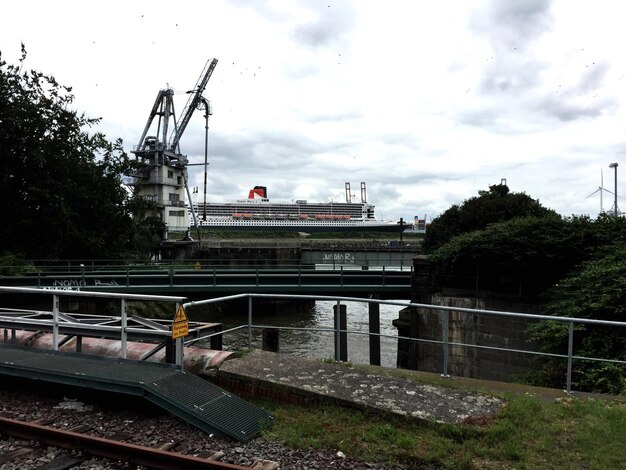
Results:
[306, 343]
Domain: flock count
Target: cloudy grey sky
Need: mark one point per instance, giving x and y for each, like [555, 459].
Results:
[427, 102]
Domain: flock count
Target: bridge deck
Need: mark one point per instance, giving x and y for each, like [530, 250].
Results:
[185, 395]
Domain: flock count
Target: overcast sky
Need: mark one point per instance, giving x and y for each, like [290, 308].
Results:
[426, 102]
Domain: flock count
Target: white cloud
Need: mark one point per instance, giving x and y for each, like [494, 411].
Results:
[426, 102]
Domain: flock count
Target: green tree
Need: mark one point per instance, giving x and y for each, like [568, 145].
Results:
[60, 184]
[496, 205]
[596, 290]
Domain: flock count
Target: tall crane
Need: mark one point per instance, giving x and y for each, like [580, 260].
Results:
[163, 177]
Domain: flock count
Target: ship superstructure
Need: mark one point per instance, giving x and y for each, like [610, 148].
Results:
[259, 213]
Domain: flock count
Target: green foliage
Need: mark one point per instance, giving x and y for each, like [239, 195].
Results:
[575, 266]
[528, 253]
[532, 252]
[596, 290]
[60, 184]
[11, 265]
[495, 205]
[526, 433]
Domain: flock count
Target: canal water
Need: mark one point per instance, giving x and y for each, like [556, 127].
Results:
[312, 315]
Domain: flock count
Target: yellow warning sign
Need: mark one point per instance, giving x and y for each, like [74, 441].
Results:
[180, 325]
[181, 315]
[180, 329]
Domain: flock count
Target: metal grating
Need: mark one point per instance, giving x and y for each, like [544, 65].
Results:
[185, 395]
[212, 404]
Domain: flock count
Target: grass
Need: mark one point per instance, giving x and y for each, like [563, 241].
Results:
[527, 433]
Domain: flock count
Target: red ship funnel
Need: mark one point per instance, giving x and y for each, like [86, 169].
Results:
[258, 191]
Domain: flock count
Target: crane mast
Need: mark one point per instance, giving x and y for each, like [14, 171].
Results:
[163, 175]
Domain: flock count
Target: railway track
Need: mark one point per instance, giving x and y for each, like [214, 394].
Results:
[76, 439]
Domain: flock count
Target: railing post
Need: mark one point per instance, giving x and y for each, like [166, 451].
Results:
[341, 276]
[570, 352]
[249, 323]
[55, 322]
[445, 342]
[180, 347]
[124, 323]
[383, 275]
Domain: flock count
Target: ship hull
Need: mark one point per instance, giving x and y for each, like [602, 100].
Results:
[312, 227]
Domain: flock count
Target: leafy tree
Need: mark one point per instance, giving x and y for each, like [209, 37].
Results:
[524, 255]
[520, 256]
[495, 205]
[596, 290]
[574, 267]
[60, 184]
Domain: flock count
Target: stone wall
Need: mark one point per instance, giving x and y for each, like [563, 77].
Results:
[467, 328]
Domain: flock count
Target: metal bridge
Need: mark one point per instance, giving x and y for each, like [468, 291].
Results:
[219, 280]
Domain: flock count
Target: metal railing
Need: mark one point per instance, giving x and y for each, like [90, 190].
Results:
[200, 264]
[58, 318]
[444, 313]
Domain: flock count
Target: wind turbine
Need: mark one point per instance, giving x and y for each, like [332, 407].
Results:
[600, 189]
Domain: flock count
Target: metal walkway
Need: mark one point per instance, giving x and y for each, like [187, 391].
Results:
[185, 395]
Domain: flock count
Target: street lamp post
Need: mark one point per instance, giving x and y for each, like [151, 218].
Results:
[615, 211]
[207, 113]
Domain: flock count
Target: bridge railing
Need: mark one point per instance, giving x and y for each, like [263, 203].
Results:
[202, 281]
[444, 312]
[33, 267]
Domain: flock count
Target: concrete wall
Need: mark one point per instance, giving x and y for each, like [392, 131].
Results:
[484, 330]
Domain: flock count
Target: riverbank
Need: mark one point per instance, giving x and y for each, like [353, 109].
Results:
[375, 414]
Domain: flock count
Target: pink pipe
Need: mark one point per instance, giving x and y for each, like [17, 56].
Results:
[197, 360]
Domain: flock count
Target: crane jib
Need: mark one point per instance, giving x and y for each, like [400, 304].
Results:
[192, 104]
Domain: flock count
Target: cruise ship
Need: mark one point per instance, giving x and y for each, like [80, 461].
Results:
[258, 213]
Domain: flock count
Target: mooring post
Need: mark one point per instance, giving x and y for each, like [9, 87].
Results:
[271, 340]
[170, 352]
[374, 327]
[217, 340]
[341, 335]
